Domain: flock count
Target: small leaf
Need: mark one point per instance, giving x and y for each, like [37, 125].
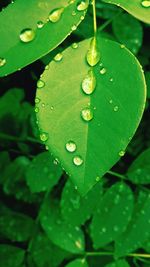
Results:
[138, 230]
[128, 31]
[100, 123]
[76, 209]
[37, 28]
[42, 173]
[119, 263]
[135, 7]
[139, 171]
[11, 256]
[77, 263]
[62, 234]
[112, 215]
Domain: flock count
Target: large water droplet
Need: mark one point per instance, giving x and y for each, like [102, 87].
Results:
[71, 146]
[83, 5]
[56, 14]
[145, 3]
[93, 56]
[40, 84]
[27, 35]
[58, 57]
[87, 114]
[89, 83]
[2, 62]
[77, 160]
[44, 137]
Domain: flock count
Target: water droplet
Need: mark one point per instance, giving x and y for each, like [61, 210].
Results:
[78, 244]
[122, 46]
[58, 57]
[74, 13]
[102, 71]
[37, 100]
[56, 161]
[51, 107]
[77, 160]
[93, 56]
[2, 62]
[40, 84]
[71, 146]
[87, 114]
[75, 187]
[43, 105]
[44, 137]
[116, 108]
[97, 179]
[36, 109]
[74, 27]
[74, 45]
[121, 153]
[145, 3]
[27, 35]
[103, 230]
[110, 101]
[83, 5]
[56, 14]
[40, 24]
[89, 83]
[70, 2]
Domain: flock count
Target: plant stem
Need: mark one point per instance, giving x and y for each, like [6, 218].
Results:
[94, 17]
[117, 175]
[104, 253]
[18, 139]
[107, 22]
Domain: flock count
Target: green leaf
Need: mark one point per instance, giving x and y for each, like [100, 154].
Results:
[76, 209]
[147, 76]
[42, 173]
[24, 38]
[128, 31]
[112, 215]
[16, 226]
[4, 161]
[119, 263]
[139, 171]
[77, 263]
[134, 7]
[138, 230]
[11, 256]
[116, 105]
[45, 253]
[62, 234]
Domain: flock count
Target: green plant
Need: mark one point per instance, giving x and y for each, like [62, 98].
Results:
[78, 195]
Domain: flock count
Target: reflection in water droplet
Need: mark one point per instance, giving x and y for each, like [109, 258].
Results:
[121, 153]
[74, 45]
[2, 62]
[77, 160]
[93, 56]
[44, 136]
[145, 3]
[83, 5]
[58, 57]
[102, 71]
[27, 35]
[89, 83]
[40, 24]
[71, 146]
[87, 114]
[116, 108]
[56, 14]
[40, 84]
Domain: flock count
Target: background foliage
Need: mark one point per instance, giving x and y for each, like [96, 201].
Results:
[44, 221]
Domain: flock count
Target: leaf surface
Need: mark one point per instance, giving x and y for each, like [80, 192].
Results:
[77, 263]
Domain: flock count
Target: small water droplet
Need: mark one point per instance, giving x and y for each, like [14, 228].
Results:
[89, 83]
[102, 71]
[83, 5]
[110, 101]
[37, 100]
[58, 57]
[51, 107]
[78, 244]
[145, 3]
[111, 79]
[74, 13]
[2, 62]
[93, 56]
[122, 46]
[56, 161]
[74, 45]
[116, 108]
[56, 14]
[43, 105]
[115, 228]
[74, 27]
[40, 84]
[97, 179]
[87, 114]
[27, 35]
[44, 136]
[121, 153]
[103, 230]
[77, 160]
[40, 24]
[71, 146]
[36, 109]
[75, 187]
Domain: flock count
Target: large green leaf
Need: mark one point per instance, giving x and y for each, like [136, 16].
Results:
[119, 263]
[40, 39]
[134, 7]
[116, 104]
[138, 230]
[62, 234]
[112, 215]
[77, 263]
[139, 171]
[42, 173]
[76, 209]
[11, 256]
